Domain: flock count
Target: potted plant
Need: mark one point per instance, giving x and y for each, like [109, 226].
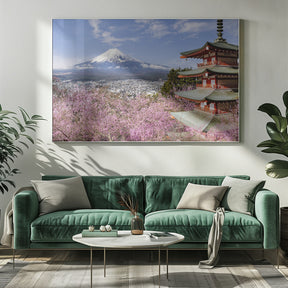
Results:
[278, 144]
[13, 133]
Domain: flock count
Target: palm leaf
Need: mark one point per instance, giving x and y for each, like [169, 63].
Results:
[25, 115]
[29, 138]
[12, 134]
[37, 117]
[31, 128]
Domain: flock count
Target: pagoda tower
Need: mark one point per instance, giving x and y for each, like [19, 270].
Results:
[218, 74]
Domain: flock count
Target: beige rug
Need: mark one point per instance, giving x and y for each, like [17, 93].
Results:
[137, 269]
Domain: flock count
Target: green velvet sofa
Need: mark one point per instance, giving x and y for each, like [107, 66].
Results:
[157, 198]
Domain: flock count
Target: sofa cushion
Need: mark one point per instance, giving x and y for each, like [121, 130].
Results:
[102, 190]
[240, 197]
[204, 197]
[60, 226]
[195, 225]
[164, 192]
[62, 194]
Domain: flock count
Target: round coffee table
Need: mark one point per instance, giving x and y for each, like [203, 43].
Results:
[126, 240]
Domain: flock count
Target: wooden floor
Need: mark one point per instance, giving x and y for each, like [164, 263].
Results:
[58, 255]
[138, 258]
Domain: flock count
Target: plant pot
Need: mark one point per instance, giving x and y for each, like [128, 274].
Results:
[137, 226]
[284, 228]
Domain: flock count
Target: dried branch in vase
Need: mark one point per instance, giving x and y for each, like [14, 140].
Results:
[127, 201]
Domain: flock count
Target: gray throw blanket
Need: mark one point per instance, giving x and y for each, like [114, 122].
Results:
[8, 231]
[214, 240]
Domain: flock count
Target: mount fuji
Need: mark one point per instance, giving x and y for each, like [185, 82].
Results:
[114, 64]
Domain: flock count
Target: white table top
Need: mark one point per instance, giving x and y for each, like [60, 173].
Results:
[126, 240]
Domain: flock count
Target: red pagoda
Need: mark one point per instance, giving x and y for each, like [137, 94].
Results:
[218, 74]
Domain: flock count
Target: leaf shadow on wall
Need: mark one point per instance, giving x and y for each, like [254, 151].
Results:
[64, 159]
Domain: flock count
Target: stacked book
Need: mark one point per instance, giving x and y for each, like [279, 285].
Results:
[98, 233]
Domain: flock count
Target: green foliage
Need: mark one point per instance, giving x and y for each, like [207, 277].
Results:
[173, 83]
[277, 168]
[278, 142]
[13, 134]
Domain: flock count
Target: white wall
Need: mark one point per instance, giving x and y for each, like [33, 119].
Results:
[25, 80]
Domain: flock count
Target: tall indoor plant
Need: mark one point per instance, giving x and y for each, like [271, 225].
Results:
[278, 142]
[13, 136]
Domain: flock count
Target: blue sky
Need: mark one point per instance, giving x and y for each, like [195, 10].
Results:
[156, 41]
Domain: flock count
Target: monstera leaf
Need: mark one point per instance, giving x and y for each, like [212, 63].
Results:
[278, 142]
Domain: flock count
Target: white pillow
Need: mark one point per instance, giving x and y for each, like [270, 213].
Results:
[241, 194]
[202, 197]
[63, 194]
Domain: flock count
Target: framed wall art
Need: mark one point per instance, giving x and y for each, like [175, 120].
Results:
[146, 80]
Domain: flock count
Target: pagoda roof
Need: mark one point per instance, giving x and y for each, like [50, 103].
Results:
[219, 95]
[195, 94]
[199, 51]
[215, 95]
[216, 69]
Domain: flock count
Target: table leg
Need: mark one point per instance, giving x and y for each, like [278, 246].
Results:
[91, 266]
[104, 261]
[159, 260]
[167, 263]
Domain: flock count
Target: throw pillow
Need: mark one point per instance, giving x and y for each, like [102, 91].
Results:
[202, 197]
[241, 194]
[63, 194]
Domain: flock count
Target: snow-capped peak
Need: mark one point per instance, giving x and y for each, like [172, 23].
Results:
[113, 55]
[116, 61]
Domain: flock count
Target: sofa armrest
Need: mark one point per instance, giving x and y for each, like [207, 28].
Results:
[267, 212]
[25, 210]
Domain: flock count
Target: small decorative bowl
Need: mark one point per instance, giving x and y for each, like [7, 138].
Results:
[102, 228]
[91, 228]
[108, 228]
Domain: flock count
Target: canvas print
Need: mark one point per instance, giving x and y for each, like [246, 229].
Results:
[146, 80]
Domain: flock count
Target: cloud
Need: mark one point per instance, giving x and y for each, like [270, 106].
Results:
[143, 21]
[231, 29]
[108, 38]
[95, 23]
[158, 30]
[154, 27]
[107, 35]
[192, 27]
